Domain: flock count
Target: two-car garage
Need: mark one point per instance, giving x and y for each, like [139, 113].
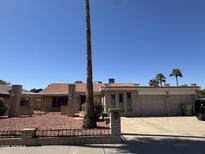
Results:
[152, 101]
[163, 105]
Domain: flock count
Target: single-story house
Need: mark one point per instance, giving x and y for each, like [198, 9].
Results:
[130, 98]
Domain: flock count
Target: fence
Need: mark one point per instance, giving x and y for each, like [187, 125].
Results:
[10, 134]
[72, 132]
[58, 132]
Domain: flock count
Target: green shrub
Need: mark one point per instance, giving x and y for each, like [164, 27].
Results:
[3, 107]
[98, 110]
[201, 93]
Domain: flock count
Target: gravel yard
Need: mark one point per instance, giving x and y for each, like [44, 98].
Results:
[51, 120]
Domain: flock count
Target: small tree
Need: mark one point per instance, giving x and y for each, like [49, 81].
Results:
[4, 82]
[153, 83]
[34, 90]
[201, 93]
[98, 108]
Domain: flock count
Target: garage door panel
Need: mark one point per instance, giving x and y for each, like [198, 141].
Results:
[152, 105]
[175, 103]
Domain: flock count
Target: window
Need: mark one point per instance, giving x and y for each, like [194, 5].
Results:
[113, 103]
[129, 102]
[58, 101]
[121, 102]
[25, 101]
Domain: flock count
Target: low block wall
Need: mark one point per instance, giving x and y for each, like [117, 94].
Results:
[75, 140]
[30, 136]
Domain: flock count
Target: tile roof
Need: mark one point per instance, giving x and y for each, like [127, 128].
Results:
[80, 87]
[55, 88]
[121, 85]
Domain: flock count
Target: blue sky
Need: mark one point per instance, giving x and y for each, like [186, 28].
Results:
[43, 41]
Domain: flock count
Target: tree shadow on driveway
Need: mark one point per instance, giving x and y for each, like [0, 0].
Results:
[157, 144]
[163, 145]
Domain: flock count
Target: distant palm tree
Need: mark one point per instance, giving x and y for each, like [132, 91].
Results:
[176, 73]
[90, 117]
[153, 83]
[160, 78]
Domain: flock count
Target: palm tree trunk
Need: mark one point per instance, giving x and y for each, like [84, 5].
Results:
[161, 83]
[90, 118]
[177, 81]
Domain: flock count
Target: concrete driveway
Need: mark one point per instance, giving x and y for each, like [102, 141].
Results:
[164, 126]
[179, 135]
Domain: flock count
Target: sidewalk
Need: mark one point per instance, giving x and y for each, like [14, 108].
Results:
[133, 144]
[85, 149]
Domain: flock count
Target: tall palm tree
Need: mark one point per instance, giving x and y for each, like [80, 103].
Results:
[176, 73]
[154, 83]
[90, 117]
[160, 78]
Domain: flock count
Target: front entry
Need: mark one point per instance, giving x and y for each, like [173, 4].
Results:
[82, 101]
[121, 103]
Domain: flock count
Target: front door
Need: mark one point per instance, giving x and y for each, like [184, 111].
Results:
[121, 102]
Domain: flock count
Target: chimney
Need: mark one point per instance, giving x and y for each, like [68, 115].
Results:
[111, 80]
[78, 81]
[193, 84]
[98, 82]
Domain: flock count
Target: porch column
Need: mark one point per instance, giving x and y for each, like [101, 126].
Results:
[107, 101]
[125, 102]
[15, 100]
[135, 103]
[117, 101]
[71, 103]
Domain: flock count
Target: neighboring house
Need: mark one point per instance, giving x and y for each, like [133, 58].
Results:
[4, 92]
[24, 105]
[131, 99]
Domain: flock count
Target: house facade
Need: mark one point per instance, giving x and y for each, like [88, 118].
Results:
[131, 99]
[148, 101]
[57, 97]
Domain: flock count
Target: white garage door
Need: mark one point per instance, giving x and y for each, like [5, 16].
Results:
[175, 103]
[152, 105]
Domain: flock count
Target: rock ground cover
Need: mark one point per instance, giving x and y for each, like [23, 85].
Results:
[51, 120]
